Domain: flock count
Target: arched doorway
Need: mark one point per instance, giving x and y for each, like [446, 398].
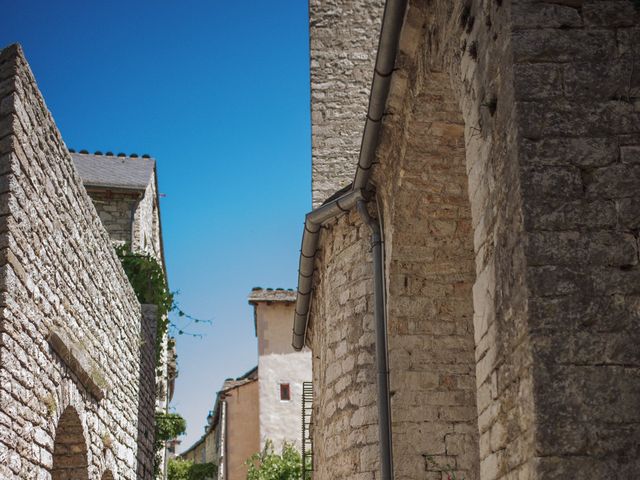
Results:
[70, 449]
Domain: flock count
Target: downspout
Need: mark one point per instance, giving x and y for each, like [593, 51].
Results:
[380, 320]
[392, 20]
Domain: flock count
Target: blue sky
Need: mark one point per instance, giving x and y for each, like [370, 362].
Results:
[218, 92]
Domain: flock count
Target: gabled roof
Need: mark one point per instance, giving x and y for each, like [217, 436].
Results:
[108, 171]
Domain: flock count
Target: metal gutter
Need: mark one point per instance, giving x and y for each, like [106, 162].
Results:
[312, 225]
[392, 20]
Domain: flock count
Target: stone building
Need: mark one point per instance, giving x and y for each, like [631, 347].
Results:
[77, 355]
[124, 190]
[490, 328]
[265, 403]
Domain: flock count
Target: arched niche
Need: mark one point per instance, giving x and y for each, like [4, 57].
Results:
[70, 448]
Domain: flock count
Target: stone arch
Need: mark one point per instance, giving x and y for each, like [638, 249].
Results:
[430, 179]
[107, 475]
[70, 448]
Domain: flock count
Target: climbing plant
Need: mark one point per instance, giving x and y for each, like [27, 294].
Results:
[147, 278]
[148, 281]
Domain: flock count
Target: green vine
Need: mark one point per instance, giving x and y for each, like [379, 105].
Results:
[148, 281]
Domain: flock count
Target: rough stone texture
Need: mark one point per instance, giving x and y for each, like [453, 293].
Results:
[116, 210]
[147, 395]
[343, 40]
[345, 417]
[58, 270]
[146, 223]
[580, 186]
[547, 95]
[131, 216]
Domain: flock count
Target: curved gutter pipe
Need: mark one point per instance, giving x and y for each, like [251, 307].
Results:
[392, 20]
[393, 17]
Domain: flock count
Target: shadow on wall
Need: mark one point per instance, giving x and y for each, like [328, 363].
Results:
[147, 393]
[70, 448]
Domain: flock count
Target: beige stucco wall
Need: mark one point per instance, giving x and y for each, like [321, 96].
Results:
[273, 327]
[278, 362]
[243, 431]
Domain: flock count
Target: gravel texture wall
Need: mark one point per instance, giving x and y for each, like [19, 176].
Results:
[59, 280]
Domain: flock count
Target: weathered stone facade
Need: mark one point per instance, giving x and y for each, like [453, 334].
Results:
[125, 194]
[71, 379]
[508, 191]
[343, 37]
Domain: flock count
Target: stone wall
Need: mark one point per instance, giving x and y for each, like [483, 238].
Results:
[511, 142]
[116, 210]
[577, 96]
[343, 39]
[59, 275]
[131, 216]
[147, 393]
[146, 225]
[341, 336]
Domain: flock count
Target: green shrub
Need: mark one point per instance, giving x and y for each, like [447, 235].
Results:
[268, 465]
[179, 469]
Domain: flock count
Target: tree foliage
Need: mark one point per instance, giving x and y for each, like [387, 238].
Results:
[179, 469]
[268, 465]
[168, 427]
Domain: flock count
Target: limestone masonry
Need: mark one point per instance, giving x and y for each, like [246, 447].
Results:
[507, 183]
[77, 380]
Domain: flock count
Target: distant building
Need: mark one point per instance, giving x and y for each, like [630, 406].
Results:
[265, 403]
[282, 369]
[232, 432]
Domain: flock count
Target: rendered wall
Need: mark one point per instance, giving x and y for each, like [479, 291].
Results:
[243, 430]
[280, 421]
[58, 271]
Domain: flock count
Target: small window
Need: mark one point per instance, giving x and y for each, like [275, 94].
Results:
[285, 392]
